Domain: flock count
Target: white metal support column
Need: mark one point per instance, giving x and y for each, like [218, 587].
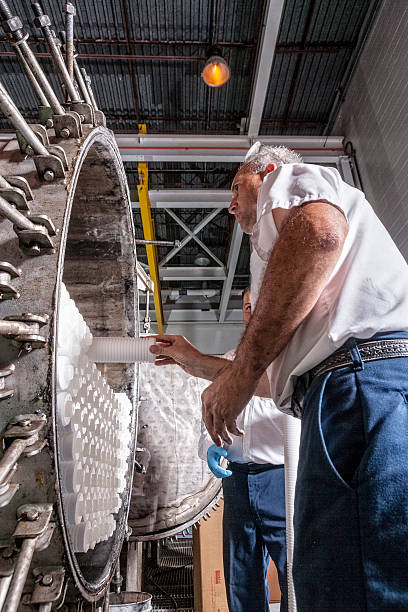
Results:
[233, 255]
[269, 36]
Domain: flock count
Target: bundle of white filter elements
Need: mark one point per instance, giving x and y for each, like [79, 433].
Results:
[94, 435]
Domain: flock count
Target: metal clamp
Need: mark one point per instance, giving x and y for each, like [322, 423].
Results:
[6, 393]
[49, 583]
[67, 125]
[14, 194]
[20, 438]
[34, 531]
[36, 237]
[25, 330]
[7, 273]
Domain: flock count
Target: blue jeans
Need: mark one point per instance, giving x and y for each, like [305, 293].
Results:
[351, 507]
[254, 530]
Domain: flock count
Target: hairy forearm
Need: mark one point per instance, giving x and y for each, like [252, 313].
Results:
[207, 366]
[300, 265]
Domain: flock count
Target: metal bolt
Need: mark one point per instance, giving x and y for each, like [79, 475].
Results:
[65, 133]
[28, 347]
[31, 515]
[24, 422]
[49, 123]
[26, 599]
[34, 249]
[82, 118]
[48, 176]
[47, 580]
[29, 150]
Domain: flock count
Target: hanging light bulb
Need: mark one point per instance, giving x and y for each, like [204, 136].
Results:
[216, 71]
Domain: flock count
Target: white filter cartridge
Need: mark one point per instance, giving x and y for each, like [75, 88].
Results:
[121, 350]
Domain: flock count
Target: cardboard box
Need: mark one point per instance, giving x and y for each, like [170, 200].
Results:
[209, 584]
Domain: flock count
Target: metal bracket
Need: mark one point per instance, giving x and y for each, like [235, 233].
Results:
[84, 110]
[39, 238]
[40, 131]
[100, 118]
[68, 125]
[49, 583]
[32, 520]
[6, 393]
[45, 115]
[7, 291]
[53, 165]
[15, 196]
[21, 183]
[30, 336]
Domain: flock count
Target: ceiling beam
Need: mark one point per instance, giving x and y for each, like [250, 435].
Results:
[269, 37]
[188, 198]
[233, 255]
[202, 148]
[191, 273]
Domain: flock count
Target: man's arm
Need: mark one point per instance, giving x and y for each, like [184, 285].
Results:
[178, 350]
[309, 245]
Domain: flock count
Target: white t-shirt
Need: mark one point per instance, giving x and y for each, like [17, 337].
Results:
[367, 292]
[262, 441]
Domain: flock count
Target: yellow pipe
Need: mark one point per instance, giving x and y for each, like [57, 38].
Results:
[149, 234]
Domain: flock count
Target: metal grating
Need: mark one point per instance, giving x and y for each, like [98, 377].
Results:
[174, 576]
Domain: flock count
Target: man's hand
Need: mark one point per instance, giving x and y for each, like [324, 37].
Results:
[178, 350]
[214, 455]
[224, 400]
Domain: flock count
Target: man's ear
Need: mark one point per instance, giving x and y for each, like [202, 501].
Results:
[269, 168]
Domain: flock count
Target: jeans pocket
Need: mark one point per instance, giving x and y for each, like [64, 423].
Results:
[330, 460]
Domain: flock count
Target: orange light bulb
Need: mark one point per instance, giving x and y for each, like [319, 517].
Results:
[216, 71]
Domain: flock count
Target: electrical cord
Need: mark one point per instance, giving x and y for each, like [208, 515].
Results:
[166, 570]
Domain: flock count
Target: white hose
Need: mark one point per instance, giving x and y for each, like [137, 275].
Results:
[121, 350]
[291, 434]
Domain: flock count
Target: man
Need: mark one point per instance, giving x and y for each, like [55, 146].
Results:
[331, 293]
[253, 486]
[254, 501]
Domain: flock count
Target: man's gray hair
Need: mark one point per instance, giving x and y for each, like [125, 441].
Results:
[261, 155]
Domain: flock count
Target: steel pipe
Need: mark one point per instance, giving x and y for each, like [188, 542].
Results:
[4, 587]
[16, 448]
[16, 217]
[54, 50]
[81, 83]
[20, 574]
[87, 80]
[38, 74]
[12, 113]
[69, 11]
[33, 81]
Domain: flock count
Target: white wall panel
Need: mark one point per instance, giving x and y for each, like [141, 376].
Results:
[374, 117]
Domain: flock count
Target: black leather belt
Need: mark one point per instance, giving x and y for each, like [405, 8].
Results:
[369, 351]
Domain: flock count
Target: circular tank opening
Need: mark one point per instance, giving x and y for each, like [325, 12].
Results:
[94, 406]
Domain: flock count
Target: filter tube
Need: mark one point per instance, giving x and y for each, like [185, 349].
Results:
[121, 350]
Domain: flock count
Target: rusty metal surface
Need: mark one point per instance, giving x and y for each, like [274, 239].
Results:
[95, 183]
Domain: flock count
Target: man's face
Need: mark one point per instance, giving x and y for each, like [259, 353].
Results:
[245, 188]
[246, 308]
